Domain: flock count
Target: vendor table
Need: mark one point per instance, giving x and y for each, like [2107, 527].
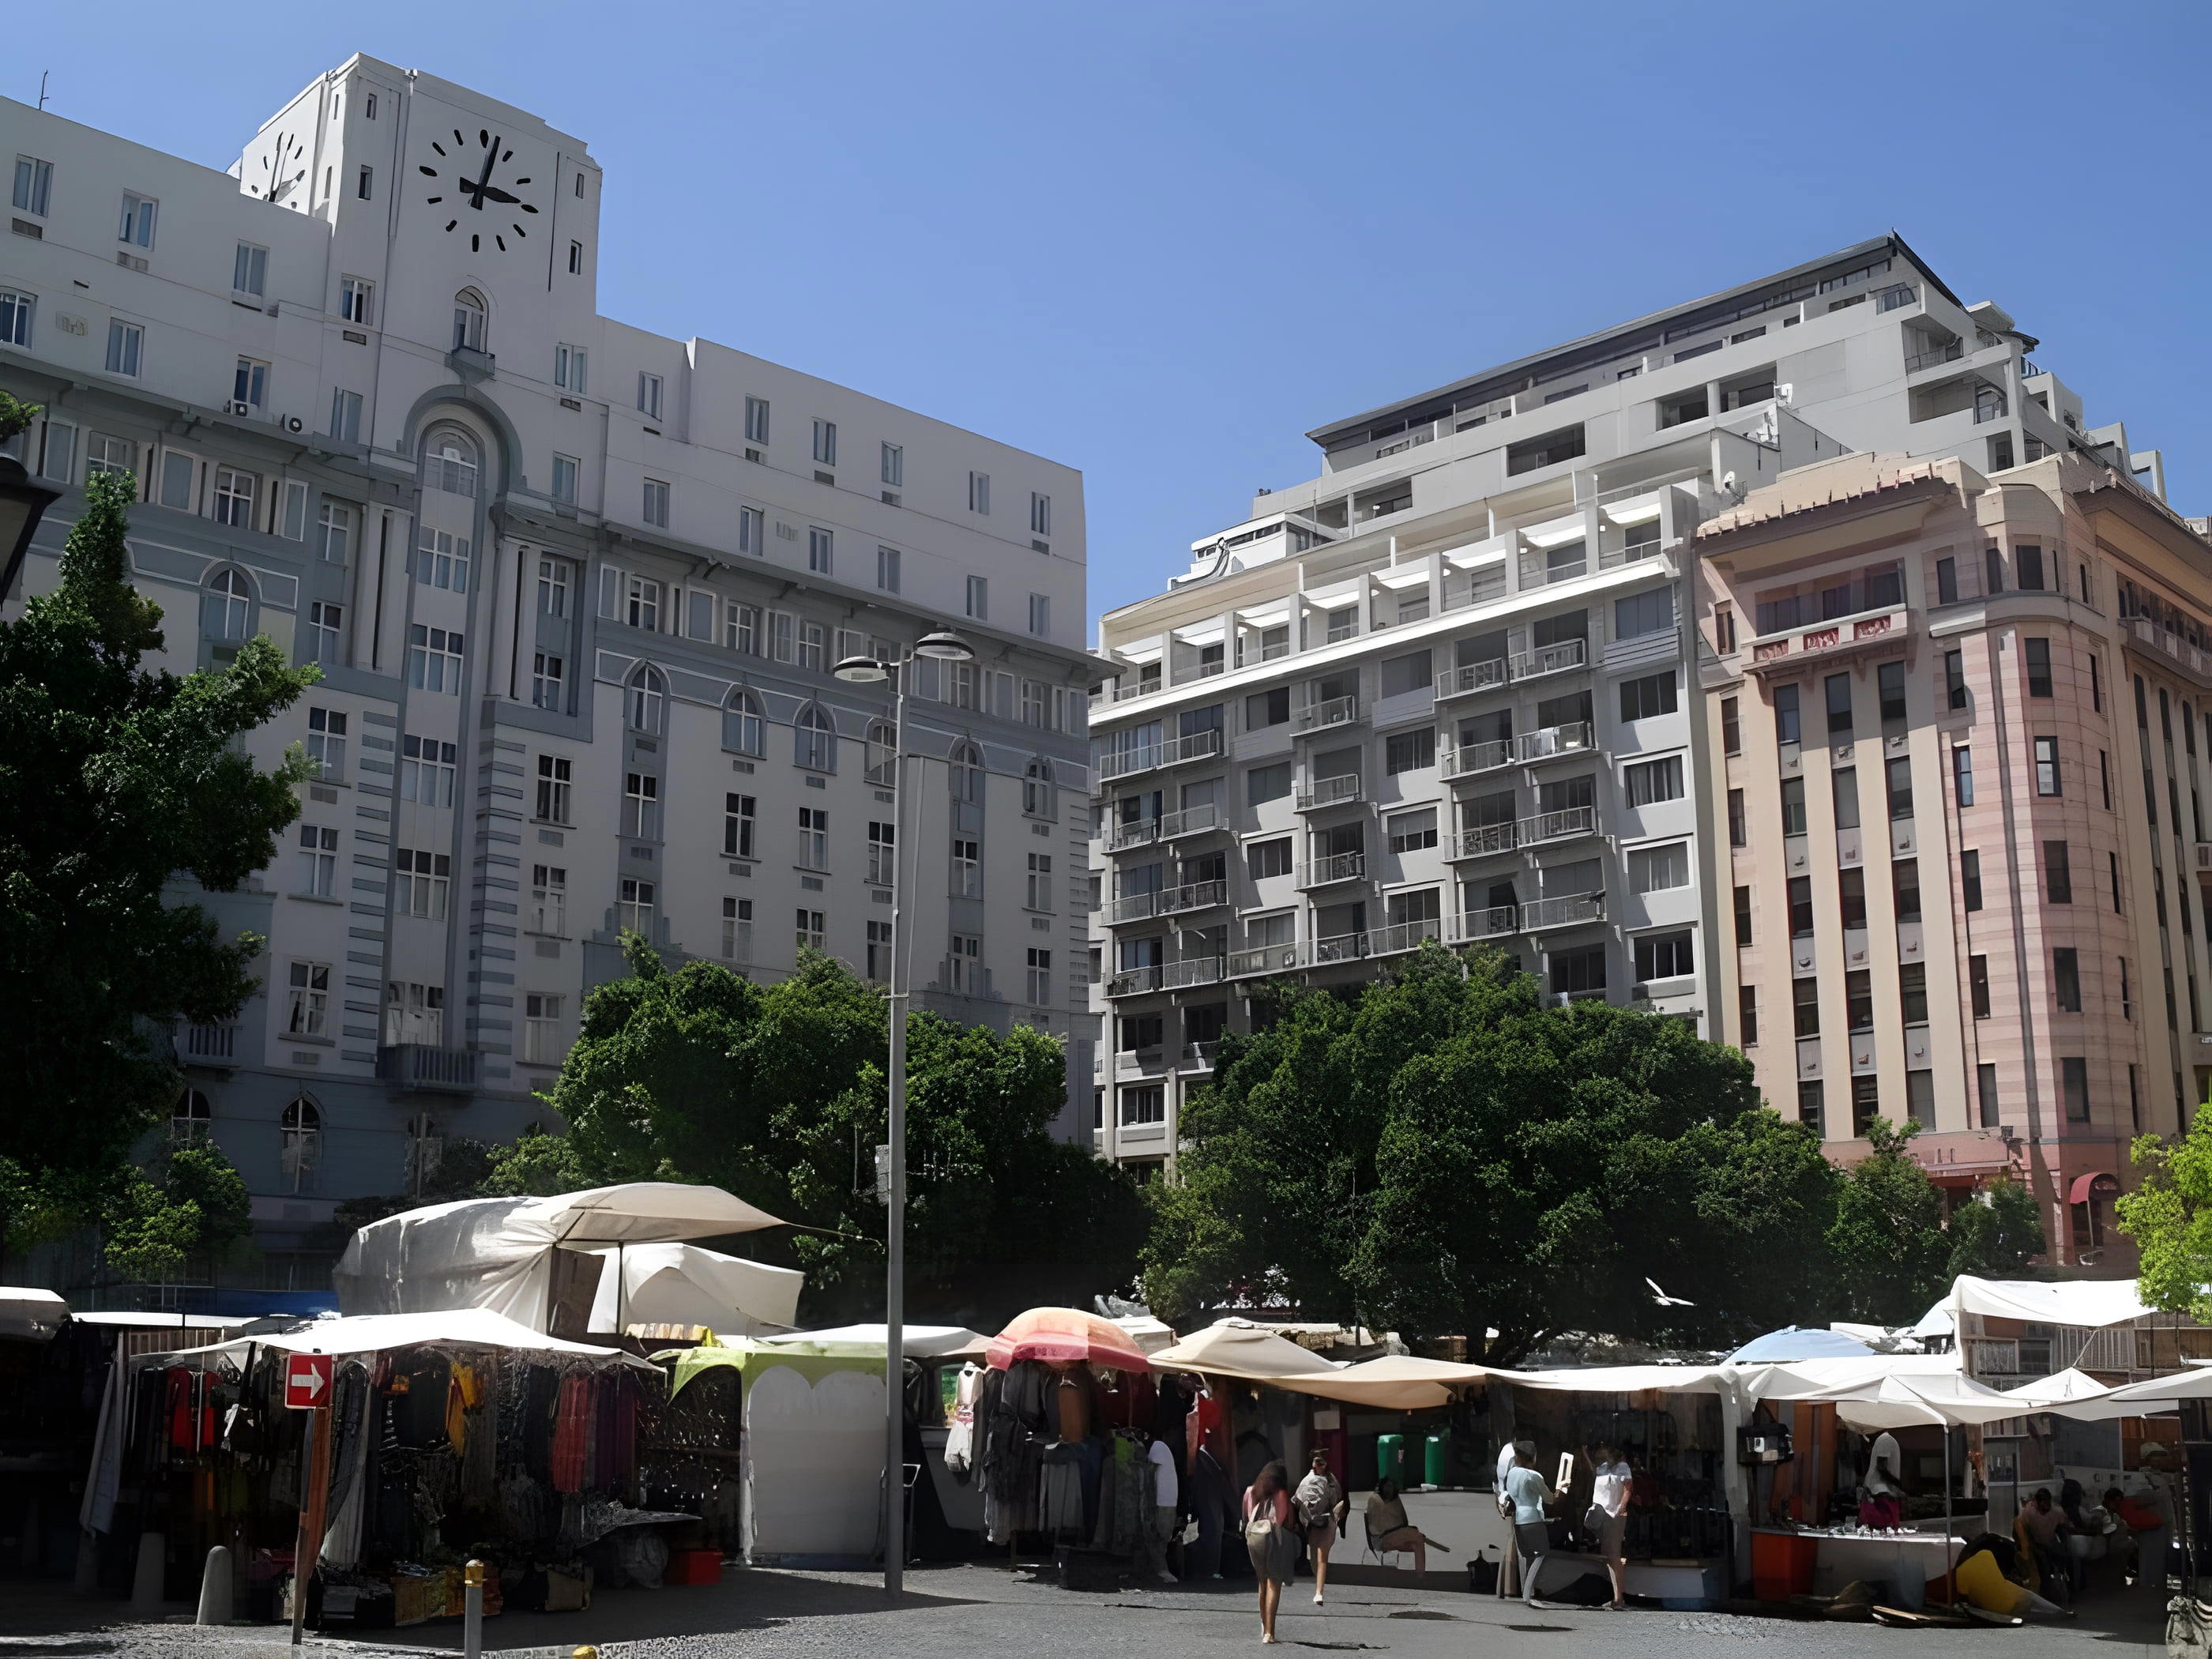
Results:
[1905, 1560]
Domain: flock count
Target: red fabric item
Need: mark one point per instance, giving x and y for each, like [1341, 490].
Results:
[1065, 1336]
[2138, 1518]
[571, 1432]
[186, 1402]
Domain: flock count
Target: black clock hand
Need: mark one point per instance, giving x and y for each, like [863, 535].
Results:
[483, 180]
[493, 193]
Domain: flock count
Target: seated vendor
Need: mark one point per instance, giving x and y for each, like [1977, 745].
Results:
[2044, 1528]
[1390, 1530]
[1981, 1579]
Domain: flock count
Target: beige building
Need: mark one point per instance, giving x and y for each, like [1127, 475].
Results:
[1955, 724]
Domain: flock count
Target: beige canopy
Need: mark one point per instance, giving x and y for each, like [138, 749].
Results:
[1395, 1383]
[1239, 1348]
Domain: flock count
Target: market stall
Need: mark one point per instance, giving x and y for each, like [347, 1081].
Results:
[658, 1287]
[449, 1436]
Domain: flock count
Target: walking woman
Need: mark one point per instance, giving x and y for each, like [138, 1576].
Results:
[1320, 1506]
[1269, 1540]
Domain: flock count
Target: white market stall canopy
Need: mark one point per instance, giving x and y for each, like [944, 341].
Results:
[469, 1328]
[1393, 1383]
[917, 1341]
[676, 1283]
[2090, 1302]
[500, 1253]
[31, 1315]
[1239, 1348]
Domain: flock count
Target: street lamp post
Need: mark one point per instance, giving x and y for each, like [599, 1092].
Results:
[941, 646]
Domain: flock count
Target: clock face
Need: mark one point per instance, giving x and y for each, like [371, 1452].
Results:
[470, 188]
[282, 170]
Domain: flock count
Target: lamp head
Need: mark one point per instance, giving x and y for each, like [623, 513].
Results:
[862, 671]
[945, 646]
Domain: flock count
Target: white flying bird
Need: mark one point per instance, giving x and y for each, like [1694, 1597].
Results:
[1665, 1300]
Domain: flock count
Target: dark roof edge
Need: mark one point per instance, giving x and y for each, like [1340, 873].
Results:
[1891, 241]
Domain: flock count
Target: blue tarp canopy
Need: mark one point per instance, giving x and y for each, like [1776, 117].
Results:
[1790, 1343]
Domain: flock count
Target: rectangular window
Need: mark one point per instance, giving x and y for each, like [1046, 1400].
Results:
[555, 773]
[2074, 1085]
[1905, 881]
[641, 806]
[234, 498]
[1805, 1006]
[882, 865]
[138, 216]
[1866, 1102]
[755, 420]
[420, 883]
[1642, 614]
[1266, 783]
[979, 597]
[564, 479]
[1266, 708]
[326, 743]
[1787, 727]
[1040, 615]
[1410, 751]
[249, 384]
[1962, 774]
[570, 365]
[1978, 986]
[1653, 694]
[1040, 977]
[548, 900]
[2058, 873]
[1724, 615]
[1664, 956]
[1650, 782]
[1954, 679]
[634, 903]
[34, 184]
[2066, 979]
[1738, 820]
[1947, 581]
[1912, 992]
[753, 527]
[641, 604]
[2027, 567]
[1850, 897]
[979, 493]
[124, 341]
[345, 415]
[319, 861]
[541, 1029]
[546, 675]
[309, 999]
[1812, 1107]
[326, 632]
[1801, 906]
[357, 301]
[433, 658]
[1970, 879]
[575, 259]
[1731, 728]
[825, 442]
[649, 396]
[894, 465]
[552, 587]
[739, 819]
[1410, 832]
[1411, 672]
[820, 550]
[1858, 1001]
[1040, 515]
[2037, 655]
[1889, 688]
[813, 838]
[1843, 788]
[1743, 933]
[1268, 858]
[14, 318]
[427, 769]
[2047, 767]
[1793, 807]
[249, 270]
[1898, 775]
[2096, 681]
[364, 184]
[1659, 869]
[655, 506]
[441, 559]
[1038, 893]
[1837, 689]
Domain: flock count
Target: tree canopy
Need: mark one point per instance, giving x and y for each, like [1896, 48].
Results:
[1440, 1152]
[115, 781]
[2169, 1216]
[778, 1094]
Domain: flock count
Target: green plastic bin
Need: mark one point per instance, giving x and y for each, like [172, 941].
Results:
[1390, 1458]
[1436, 1457]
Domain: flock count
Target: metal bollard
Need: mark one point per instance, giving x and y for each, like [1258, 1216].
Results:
[472, 1610]
[215, 1587]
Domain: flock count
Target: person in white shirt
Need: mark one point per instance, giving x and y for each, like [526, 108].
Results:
[1167, 1501]
[1321, 1504]
[1884, 1492]
[1608, 1515]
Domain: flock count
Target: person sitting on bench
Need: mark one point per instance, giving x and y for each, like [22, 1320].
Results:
[1389, 1531]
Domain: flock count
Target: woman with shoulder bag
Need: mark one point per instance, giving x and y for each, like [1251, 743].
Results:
[1607, 1520]
[1268, 1540]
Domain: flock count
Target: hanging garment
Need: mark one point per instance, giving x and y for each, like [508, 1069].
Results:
[960, 1439]
[571, 1433]
[1072, 1404]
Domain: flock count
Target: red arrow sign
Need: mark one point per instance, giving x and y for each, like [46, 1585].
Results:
[306, 1381]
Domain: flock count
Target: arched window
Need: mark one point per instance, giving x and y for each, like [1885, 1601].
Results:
[744, 732]
[814, 741]
[470, 315]
[1036, 788]
[882, 755]
[647, 700]
[302, 1128]
[228, 610]
[451, 461]
[967, 772]
[191, 1120]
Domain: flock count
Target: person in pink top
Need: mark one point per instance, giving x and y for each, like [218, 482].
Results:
[1269, 1541]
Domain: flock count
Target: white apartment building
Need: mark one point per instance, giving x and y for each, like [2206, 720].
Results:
[1442, 690]
[575, 590]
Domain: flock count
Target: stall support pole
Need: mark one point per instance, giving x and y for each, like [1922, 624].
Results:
[895, 1200]
[315, 1503]
[473, 1583]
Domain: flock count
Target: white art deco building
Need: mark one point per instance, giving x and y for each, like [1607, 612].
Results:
[575, 591]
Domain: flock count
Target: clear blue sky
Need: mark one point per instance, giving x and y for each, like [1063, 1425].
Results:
[1159, 241]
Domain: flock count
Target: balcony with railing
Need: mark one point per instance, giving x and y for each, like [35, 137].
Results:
[1466, 760]
[1191, 970]
[1552, 741]
[1193, 896]
[1563, 825]
[1342, 947]
[1559, 658]
[1135, 981]
[1948, 353]
[1137, 832]
[1484, 841]
[1569, 911]
[1320, 716]
[1132, 906]
[1470, 678]
[1192, 821]
[1470, 926]
[1175, 751]
[417, 1067]
[1263, 959]
[1337, 866]
[1199, 1056]
[206, 1045]
[1403, 936]
[1337, 791]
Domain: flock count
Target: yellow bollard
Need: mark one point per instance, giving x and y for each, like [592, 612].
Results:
[586, 1653]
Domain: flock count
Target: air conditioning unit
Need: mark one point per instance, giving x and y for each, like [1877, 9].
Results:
[237, 406]
[293, 423]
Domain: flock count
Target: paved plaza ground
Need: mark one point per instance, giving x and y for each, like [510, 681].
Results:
[964, 1611]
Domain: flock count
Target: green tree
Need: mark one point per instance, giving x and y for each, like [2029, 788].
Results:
[1998, 1234]
[115, 782]
[1442, 1153]
[2169, 1216]
[190, 1203]
[777, 1093]
[1892, 1257]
